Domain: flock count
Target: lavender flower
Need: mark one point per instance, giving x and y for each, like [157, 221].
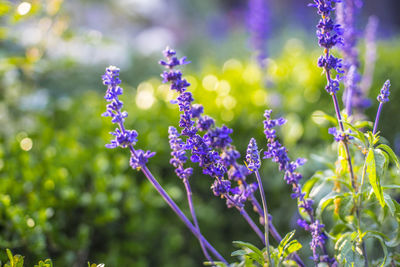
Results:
[383, 97]
[353, 96]
[278, 153]
[218, 137]
[123, 138]
[204, 149]
[339, 136]
[329, 35]
[178, 154]
[252, 156]
[139, 158]
[258, 26]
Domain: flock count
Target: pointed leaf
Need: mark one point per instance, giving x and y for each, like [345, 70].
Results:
[10, 257]
[374, 179]
[391, 154]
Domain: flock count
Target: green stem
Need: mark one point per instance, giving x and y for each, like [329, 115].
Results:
[266, 219]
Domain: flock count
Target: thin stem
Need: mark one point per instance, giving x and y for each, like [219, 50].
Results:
[378, 114]
[274, 233]
[178, 211]
[252, 224]
[352, 177]
[346, 146]
[194, 217]
[265, 208]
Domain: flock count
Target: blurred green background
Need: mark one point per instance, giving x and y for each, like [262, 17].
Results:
[64, 196]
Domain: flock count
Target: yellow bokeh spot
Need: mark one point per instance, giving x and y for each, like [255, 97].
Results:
[259, 97]
[30, 222]
[145, 96]
[318, 117]
[252, 74]
[229, 102]
[24, 8]
[223, 88]
[210, 82]
[26, 144]
[232, 64]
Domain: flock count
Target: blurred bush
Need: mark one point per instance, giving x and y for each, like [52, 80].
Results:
[66, 197]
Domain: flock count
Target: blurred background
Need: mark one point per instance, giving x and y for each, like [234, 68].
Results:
[64, 196]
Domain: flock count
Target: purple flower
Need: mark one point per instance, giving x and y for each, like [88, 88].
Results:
[221, 187]
[218, 137]
[205, 123]
[278, 153]
[253, 156]
[329, 35]
[318, 238]
[123, 138]
[258, 26]
[197, 110]
[178, 154]
[140, 158]
[353, 97]
[383, 97]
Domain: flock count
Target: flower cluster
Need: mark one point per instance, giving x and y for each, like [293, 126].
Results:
[180, 85]
[383, 97]
[178, 154]
[204, 149]
[329, 35]
[123, 138]
[278, 154]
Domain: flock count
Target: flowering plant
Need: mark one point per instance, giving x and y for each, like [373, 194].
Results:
[344, 213]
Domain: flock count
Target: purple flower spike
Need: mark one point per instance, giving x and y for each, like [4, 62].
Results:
[329, 35]
[258, 26]
[278, 153]
[178, 154]
[383, 97]
[253, 156]
[123, 138]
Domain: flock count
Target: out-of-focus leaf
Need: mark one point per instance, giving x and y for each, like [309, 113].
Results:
[391, 154]
[374, 179]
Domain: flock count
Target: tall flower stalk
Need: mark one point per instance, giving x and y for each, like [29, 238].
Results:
[128, 138]
[278, 153]
[253, 164]
[213, 152]
[354, 98]
[329, 35]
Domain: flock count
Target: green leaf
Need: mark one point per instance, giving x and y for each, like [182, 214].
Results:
[256, 254]
[284, 242]
[293, 246]
[325, 202]
[391, 154]
[10, 257]
[374, 179]
[309, 184]
[360, 134]
[239, 252]
[389, 203]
